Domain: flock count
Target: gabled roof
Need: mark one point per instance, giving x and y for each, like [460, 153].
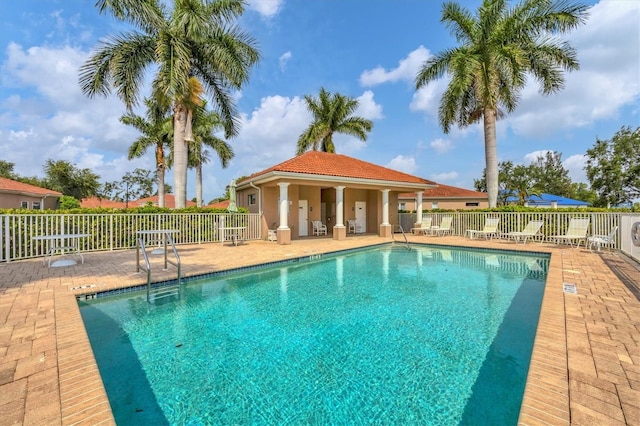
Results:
[169, 201]
[447, 191]
[95, 202]
[316, 165]
[13, 186]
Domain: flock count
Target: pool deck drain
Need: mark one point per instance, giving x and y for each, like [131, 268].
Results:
[585, 366]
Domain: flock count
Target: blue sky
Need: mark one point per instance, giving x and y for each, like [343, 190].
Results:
[367, 49]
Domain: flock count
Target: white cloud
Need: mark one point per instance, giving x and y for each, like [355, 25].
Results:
[406, 71]
[428, 97]
[403, 164]
[575, 165]
[63, 124]
[441, 145]
[444, 177]
[606, 82]
[284, 58]
[269, 135]
[367, 107]
[532, 157]
[266, 8]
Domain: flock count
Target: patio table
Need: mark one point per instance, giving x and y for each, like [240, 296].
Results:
[232, 233]
[60, 243]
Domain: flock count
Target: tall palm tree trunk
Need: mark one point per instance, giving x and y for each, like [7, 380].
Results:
[199, 185]
[160, 174]
[180, 154]
[491, 155]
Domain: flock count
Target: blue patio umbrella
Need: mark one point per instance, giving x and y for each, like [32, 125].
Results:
[232, 197]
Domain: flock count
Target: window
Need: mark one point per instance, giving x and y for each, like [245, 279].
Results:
[472, 204]
[35, 205]
[401, 206]
[252, 199]
[24, 205]
[434, 206]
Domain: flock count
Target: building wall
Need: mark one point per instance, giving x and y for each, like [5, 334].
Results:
[445, 203]
[14, 201]
[315, 196]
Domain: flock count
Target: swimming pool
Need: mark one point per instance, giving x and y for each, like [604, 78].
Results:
[387, 335]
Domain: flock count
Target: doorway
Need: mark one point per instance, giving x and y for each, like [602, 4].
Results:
[361, 215]
[303, 218]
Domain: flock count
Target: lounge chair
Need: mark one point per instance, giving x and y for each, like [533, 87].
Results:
[444, 227]
[599, 240]
[530, 231]
[577, 230]
[425, 226]
[319, 228]
[489, 231]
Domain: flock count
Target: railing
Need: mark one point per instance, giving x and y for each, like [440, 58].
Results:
[555, 223]
[403, 234]
[162, 291]
[113, 231]
[118, 231]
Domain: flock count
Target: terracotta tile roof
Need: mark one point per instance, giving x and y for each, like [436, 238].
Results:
[169, 201]
[95, 202]
[446, 191]
[224, 204]
[9, 185]
[325, 164]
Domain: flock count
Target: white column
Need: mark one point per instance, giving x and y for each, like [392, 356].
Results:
[339, 206]
[385, 206]
[419, 207]
[284, 205]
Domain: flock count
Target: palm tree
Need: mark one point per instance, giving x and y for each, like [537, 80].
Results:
[499, 48]
[205, 123]
[156, 132]
[331, 114]
[195, 39]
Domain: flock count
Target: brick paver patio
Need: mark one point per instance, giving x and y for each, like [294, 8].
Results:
[585, 368]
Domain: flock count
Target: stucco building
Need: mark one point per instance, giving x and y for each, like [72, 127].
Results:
[331, 188]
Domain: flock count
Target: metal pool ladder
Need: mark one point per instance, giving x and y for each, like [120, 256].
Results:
[403, 235]
[159, 291]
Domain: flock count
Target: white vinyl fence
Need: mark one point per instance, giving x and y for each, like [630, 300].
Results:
[115, 231]
[555, 223]
[118, 231]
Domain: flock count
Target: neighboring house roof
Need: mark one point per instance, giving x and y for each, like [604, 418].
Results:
[547, 200]
[316, 165]
[446, 191]
[15, 187]
[95, 202]
[224, 204]
[169, 202]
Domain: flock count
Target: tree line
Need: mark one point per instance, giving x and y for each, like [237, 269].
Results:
[612, 168]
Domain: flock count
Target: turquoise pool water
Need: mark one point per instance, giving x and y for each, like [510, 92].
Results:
[382, 336]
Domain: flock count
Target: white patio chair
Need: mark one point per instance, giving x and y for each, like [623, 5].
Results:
[489, 231]
[444, 227]
[600, 240]
[577, 230]
[424, 227]
[319, 228]
[530, 231]
[353, 226]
